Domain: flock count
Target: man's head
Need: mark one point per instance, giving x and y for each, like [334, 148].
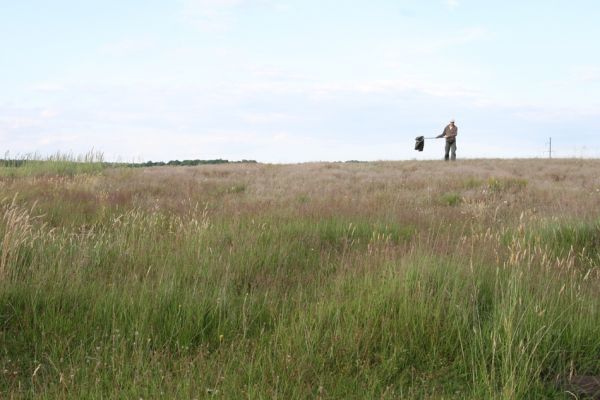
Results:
[452, 122]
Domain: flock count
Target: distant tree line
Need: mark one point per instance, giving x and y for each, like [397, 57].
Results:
[12, 163]
[176, 163]
[184, 163]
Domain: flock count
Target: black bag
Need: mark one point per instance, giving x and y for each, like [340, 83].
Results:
[420, 143]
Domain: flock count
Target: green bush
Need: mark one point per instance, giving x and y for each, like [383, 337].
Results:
[501, 185]
[451, 199]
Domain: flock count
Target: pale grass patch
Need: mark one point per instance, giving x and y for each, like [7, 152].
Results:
[18, 233]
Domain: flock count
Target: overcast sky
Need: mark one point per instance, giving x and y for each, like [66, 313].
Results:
[298, 80]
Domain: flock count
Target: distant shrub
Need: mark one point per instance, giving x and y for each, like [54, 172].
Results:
[473, 183]
[451, 199]
[237, 188]
[303, 199]
[500, 185]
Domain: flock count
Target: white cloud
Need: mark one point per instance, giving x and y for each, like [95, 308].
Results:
[268, 120]
[397, 52]
[274, 73]
[588, 73]
[15, 123]
[330, 90]
[417, 85]
[47, 113]
[58, 140]
[452, 4]
[210, 15]
[259, 118]
[48, 87]
[220, 15]
[555, 114]
[126, 47]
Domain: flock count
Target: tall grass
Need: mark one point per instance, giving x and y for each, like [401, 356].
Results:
[239, 295]
[55, 164]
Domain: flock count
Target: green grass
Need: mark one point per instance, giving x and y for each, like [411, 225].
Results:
[498, 185]
[55, 165]
[579, 237]
[569, 239]
[451, 199]
[272, 301]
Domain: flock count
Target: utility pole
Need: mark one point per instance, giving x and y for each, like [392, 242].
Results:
[550, 148]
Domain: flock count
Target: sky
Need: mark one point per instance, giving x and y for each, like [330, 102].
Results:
[286, 81]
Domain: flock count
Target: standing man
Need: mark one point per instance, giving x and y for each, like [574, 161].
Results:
[450, 132]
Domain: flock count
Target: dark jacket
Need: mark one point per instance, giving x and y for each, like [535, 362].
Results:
[449, 133]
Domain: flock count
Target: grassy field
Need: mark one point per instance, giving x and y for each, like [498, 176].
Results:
[388, 280]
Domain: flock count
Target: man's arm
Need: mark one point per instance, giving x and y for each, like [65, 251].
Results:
[442, 135]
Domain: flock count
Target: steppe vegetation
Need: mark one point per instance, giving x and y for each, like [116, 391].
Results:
[387, 280]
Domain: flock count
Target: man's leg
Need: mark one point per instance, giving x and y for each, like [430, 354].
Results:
[453, 148]
[447, 154]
